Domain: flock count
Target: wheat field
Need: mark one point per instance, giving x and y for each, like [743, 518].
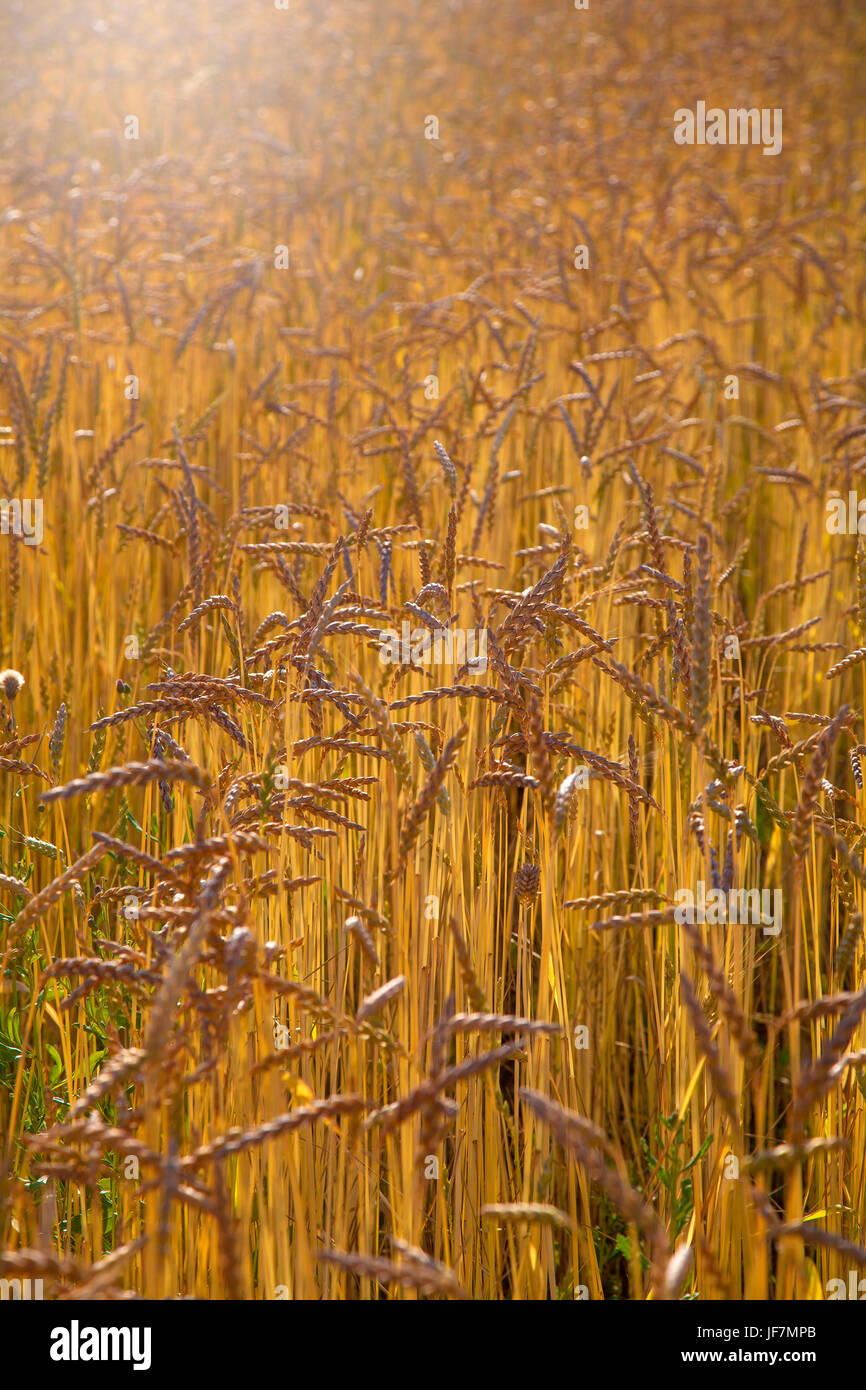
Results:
[429, 552]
